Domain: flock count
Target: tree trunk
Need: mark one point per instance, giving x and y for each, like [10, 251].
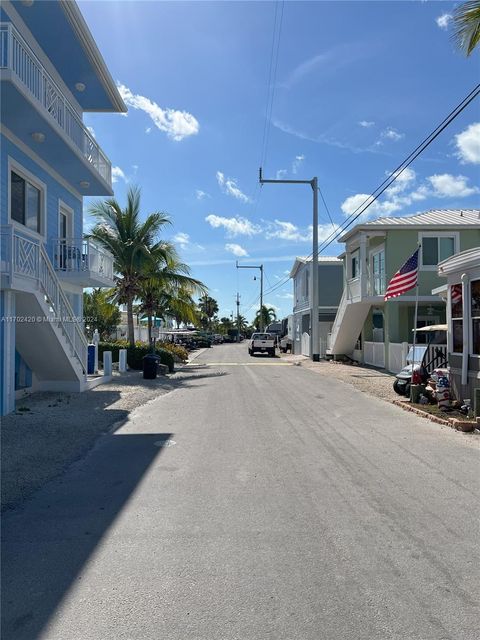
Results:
[150, 337]
[131, 330]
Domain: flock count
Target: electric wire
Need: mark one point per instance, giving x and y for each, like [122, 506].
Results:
[392, 176]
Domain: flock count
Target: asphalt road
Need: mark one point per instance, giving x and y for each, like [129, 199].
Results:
[254, 501]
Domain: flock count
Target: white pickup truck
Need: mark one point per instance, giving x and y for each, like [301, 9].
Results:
[262, 343]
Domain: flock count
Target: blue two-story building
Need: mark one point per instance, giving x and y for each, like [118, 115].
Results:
[51, 72]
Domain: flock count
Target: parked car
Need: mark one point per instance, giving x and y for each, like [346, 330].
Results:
[262, 343]
[428, 357]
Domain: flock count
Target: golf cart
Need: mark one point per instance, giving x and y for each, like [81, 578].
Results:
[427, 358]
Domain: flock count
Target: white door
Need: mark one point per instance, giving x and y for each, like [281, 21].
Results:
[306, 344]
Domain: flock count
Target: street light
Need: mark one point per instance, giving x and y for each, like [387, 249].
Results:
[315, 342]
[246, 266]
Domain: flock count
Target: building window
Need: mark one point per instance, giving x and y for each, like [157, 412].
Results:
[355, 265]
[457, 317]
[25, 202]
[435, 249]
[475, 293]
[378, 273]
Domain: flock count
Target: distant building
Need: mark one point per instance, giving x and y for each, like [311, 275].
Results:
[330, 287]
[377, 332]
[51, 73]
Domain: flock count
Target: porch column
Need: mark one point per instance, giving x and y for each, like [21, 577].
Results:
[466, 327]
[364, 269]
[7, 352]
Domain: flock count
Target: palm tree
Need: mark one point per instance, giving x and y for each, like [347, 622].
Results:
[466, 25]
[264, 317]
[103, 315]
[167, 287]
[208, 308]
[133, 245]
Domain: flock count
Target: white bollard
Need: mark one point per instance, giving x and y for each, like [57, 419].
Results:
[107, 363]
[96, 340]
[122, 360]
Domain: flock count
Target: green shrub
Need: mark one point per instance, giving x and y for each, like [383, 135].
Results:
[174, 349]
[135, 354]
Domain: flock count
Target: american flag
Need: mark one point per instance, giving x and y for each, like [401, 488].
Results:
[456, 293]
[405, 278]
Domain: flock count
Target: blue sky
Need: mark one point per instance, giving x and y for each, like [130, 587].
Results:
[357, 86]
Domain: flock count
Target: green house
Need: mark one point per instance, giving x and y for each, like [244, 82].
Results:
[377, 332]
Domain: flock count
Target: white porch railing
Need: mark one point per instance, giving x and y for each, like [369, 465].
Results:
[76, 255]
[353, 290]
[374, 354]
[16, 55]
[27, 258]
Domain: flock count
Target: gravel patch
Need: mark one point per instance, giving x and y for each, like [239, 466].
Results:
[372, 381]
[51, 430]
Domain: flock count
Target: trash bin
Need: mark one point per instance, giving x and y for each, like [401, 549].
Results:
[150, 364]
[91, 359]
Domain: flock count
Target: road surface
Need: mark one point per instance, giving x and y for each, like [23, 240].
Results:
[254, 501]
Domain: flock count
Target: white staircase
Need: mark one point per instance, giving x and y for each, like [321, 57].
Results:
[347, 326]
[49, 337]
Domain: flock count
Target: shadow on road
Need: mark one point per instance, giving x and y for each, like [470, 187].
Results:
[45, 546]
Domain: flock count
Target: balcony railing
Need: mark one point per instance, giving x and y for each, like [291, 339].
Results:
[24, 257]
[17, 56]
[77, 255]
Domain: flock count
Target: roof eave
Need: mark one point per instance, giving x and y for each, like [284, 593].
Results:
[80, 27]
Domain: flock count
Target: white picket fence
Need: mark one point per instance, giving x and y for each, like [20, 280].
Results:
[374, 354]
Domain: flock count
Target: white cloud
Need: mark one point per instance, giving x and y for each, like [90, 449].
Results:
[468, 144]
[366, 123]
[400, 195]
[289, 231]
[404, 179]
[91, 131]
[286, 231]
[229, 186]
[176, 124]
[392, 134]
[148, 130]
[117, 173]
[281, 173]
[296, 164]
[285, 296]
[201, 195]
[236, 249]
[448, 186]
[234, 226]
[182, 239]
[443, 20]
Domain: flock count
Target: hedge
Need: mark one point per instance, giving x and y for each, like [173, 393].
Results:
[135, 354]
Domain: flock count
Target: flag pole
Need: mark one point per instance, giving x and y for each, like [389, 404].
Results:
[415, 320]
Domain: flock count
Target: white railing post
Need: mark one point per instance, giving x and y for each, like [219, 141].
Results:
[107, 363]
[122, 360]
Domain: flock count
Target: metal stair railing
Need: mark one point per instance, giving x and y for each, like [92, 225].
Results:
[25, 257]
[62, 310]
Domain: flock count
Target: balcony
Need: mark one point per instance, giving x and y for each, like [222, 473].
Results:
[82, 261]
[26, 84]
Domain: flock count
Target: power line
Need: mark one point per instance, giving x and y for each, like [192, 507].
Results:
[393, 175]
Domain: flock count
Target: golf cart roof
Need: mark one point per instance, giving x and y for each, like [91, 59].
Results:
[432, 327]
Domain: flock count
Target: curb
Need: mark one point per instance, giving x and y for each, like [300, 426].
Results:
[196, 355]
[453, 423]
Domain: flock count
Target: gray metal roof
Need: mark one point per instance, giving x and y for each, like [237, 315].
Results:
[432, 218]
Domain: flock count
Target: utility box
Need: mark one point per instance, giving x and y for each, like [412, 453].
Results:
[91, 359]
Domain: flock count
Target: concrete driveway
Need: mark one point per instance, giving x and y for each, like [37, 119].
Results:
[255, 501]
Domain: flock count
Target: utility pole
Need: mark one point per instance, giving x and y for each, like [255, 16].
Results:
[238, 317]
[260, 266]
[314, 341]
